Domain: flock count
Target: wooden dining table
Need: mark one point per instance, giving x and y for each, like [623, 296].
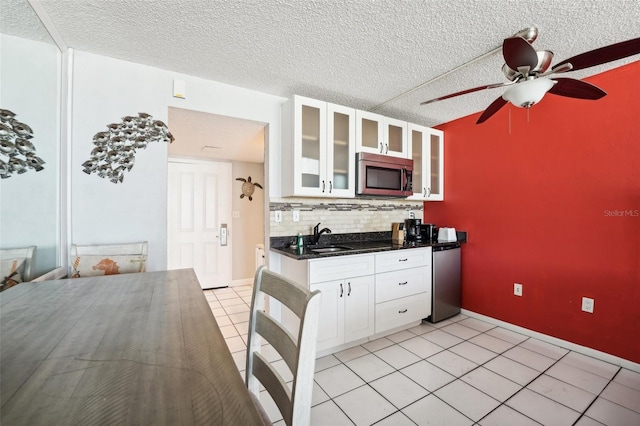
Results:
[137, 349]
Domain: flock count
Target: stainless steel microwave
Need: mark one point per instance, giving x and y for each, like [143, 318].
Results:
[383, 175]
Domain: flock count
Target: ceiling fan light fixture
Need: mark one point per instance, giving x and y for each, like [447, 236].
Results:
[527, 93]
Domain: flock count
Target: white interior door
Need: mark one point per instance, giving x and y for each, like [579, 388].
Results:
[199, 220]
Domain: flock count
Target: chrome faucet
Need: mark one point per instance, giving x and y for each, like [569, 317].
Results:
[317, 234]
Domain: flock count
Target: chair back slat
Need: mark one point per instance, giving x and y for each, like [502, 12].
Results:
[292, 296]
[298, 352]
[279, 338]
[275, 385]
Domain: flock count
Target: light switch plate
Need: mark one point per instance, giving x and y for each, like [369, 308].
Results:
[296, 215]
[517, 289]
[179, 89]
[277, 216]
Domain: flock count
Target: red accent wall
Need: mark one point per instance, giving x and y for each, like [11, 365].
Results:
[551, 199]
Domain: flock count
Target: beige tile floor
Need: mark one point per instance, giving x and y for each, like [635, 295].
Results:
[461, 371]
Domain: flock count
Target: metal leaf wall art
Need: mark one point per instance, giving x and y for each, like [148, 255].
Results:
[16, 146]
[115, 148]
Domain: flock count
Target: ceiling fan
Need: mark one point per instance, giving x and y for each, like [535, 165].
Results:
[528, 69]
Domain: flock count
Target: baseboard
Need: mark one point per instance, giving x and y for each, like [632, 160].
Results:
[244, 281]
[612, 359]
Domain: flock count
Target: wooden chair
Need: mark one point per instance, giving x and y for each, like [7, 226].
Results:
[299, 352]
[107, 259]
[15, 266]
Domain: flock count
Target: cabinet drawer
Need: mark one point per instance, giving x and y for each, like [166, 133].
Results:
[403, 259]
[399, 312]
[321, 270]
[398, 284]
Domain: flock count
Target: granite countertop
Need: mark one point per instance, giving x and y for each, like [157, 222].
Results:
[358, 243]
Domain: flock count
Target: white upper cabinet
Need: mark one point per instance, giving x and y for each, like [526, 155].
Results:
[341, 142]
[318, 149]
[426, 149]
[381, 135]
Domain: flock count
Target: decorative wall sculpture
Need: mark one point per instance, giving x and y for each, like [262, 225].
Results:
[248, 187]
[116, 147]
[16, 147]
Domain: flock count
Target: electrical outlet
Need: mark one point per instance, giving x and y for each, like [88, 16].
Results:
[517, 289]
[277, 216]
[296, 215]
[587, 305]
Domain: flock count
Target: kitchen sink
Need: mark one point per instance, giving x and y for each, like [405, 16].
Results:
[330, 249]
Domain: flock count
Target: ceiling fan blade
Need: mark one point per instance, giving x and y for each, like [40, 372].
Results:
[491, 109]
[579, 89]
[464, 92]
[603, 55]
[519, 53]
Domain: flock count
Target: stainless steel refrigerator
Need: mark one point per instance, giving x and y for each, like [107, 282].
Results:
[446, 292]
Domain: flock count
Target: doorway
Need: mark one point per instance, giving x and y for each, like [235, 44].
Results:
[202, 137]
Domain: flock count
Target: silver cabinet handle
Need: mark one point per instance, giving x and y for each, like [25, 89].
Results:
[402, 260]
[403, 311]
[425, 192]
[330, 186]
[341, 290]
[404, 283]
[387, 149]
[323, 186]
[429, 192]
[349, 291]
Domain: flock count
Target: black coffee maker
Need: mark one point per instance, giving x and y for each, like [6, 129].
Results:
[412, 230]
[429, 233]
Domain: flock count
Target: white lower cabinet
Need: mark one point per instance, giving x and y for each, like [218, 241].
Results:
[403, 288]
[398, 312]
[363, 295]
[347, 284]
[397, 284]
[346, 311]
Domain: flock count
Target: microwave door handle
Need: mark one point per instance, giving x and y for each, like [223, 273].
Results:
[405, 180]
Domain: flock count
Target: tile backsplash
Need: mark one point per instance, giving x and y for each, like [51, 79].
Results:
[341, 216]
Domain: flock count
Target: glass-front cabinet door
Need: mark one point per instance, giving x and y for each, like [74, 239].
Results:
[395, 137]
[304, 136]
[436, 169]
[425, 148]
[341, 134]
[419, 150]
[380, 135]
[312, 140]
[318, 149]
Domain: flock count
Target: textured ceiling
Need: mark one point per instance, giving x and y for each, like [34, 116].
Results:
[361, 53]
[19, 20]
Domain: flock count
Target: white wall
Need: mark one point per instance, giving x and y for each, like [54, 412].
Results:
[29, 87]
[104, 91]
